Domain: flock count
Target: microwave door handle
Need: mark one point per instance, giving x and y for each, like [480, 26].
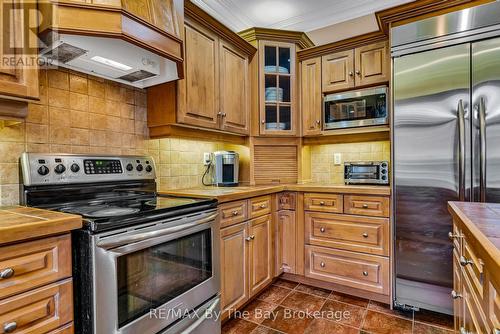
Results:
[461, 150]
[127, 239]
[482, 150]
[202, 318]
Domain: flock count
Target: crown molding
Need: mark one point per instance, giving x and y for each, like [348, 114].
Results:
[195, 13]
[298, 37]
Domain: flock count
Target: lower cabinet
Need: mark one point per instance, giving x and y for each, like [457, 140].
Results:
[286, 234]
[247, 261]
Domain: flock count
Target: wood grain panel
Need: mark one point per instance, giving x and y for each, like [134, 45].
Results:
[233, 212]
[359, 234]
[261, 254]
[310, 96]
[360, 271]
[372, 64]
[287, 200]
[323, 202]
[34, 264]
[337, 71]
[376, 206]
[286, 245]
[259, 206]
[275, 165]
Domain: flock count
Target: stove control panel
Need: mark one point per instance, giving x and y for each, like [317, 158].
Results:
[40, 168]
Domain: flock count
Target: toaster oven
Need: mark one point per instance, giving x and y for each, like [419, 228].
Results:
[370, 172]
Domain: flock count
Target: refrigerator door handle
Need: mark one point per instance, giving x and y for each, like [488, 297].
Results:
[461, 150]
[482, 150]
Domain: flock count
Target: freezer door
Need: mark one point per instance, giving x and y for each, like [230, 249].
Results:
[431, 149]
[486, 121]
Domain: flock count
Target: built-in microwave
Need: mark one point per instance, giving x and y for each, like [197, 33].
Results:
[355, 108]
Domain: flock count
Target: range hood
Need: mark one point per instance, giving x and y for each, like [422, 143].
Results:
[112, 42]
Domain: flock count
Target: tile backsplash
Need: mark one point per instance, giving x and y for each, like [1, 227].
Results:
[323, 168]
[84, 114]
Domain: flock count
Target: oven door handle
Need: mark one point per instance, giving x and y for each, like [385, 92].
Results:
[129, 239]
[201, 319]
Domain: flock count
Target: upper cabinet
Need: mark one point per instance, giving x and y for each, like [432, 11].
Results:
[18, 78]
[310, 100]
[215, 92]
[362, 66]
[160, 13]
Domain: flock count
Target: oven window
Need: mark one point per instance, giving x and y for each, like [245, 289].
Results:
[364, 172]
[153, 276]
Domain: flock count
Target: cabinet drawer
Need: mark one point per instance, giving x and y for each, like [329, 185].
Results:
[494, 306]
[457, 239]
[233, 213]
[287, 200]
[376, 206]
[360, 271]
[259, 206]
[39, 311]
[323, 203]
[360, 234]
[474, 318]
[473, 269]
[32, 264]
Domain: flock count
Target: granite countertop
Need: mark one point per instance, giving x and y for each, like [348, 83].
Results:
[19, 223]
[227, 194]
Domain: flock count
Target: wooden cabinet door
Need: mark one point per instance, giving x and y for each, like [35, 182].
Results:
[260, 252]
[198, 104]
[234, 266]
[337, 71]
[372, 64]
[285, 242]
[18, 42]
[234, 93]
[310, 96]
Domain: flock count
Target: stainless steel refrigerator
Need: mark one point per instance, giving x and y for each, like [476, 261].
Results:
[446, 142]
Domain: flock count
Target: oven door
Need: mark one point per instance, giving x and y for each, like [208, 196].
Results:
[148, 277]
[356, 108]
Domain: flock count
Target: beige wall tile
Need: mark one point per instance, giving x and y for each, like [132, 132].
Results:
[78, 83]
[58, 79]
[80, 119]
[58, 97]
[36, 133]
[79, 101]
[96, 88]
[38, 113]
[97, 105]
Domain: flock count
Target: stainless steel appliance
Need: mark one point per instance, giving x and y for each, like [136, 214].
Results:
[446, 132]
[225, 168]
[366, 172]
[355, 108]
[142, 263]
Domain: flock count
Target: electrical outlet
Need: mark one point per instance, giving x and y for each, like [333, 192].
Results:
[337, 158]
[206, 159]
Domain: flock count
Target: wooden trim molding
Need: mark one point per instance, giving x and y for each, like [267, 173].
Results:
[196, 14]
[298, 37]
[394, 16]
[189, 132]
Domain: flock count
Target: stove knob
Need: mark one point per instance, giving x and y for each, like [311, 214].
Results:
[139, 168]
[60, 169]
[43, 170]
[130, 167]
[149, 169]
[75, 168]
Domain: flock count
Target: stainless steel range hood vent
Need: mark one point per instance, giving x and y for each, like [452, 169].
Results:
[137, 75]
[64, 53]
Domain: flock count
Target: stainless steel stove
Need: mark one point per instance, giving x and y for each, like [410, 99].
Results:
[142, 263]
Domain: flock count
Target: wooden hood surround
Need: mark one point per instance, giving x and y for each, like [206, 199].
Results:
[155, 25]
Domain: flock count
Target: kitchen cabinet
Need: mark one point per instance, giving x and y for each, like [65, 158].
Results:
[285, 242]
[261, 253]
[311, 97]
[215, 91]
[18, 80]
[277, 88]
[363, 66]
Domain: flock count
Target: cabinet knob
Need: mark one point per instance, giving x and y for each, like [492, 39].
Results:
[318, 121]
[365, 273]
[358, 72]
[9, 327]
[248, 238]
[321, 203]
[365, 206]
[365, 235]
[219, 113]
[464, 331]
[464, 261]
[322, 229]
[263, 206]
[252, 237]
[452, 235]
[351, 74]
[6, 273]
[263, 122]
[322, 264]
[455, 294]
[235, 213]
[223, 114]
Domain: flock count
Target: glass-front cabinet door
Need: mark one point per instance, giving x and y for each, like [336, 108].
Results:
[277, 88]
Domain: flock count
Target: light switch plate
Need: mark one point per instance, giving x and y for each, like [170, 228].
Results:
[337, 158]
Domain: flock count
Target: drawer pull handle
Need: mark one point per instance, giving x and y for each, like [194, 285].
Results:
[464, 331]
[252, 237]
[322, 264]
[365, 273]
[235, 213]
[452, 236]
[248, 238]
[464, 261]
[321, 203]
[7, 273]
[365, 235]
[263, 206]
[10, 327]
[365, 206]
[322, 229]
[455, 295]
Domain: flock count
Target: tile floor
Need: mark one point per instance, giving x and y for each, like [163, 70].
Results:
[287, 307]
